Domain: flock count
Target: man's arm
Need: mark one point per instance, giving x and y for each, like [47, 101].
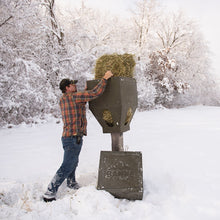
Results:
[95, 92]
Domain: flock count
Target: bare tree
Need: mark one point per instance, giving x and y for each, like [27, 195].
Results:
[175, 31]
[144, 18]
[55, 28]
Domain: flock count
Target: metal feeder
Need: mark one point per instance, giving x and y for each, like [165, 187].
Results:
[120, 173]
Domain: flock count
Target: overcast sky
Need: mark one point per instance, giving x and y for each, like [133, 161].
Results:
[206, 12]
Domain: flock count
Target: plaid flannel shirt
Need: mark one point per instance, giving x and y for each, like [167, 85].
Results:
[73, 109]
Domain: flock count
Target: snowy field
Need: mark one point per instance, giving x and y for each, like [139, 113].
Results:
[181, 162]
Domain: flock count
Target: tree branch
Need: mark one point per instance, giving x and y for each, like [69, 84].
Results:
[6, 20]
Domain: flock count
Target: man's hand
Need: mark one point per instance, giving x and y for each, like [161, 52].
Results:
[108, 75]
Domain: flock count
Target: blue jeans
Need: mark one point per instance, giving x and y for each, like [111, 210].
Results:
[68, 167]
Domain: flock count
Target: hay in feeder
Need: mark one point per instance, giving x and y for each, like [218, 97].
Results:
[120, 65]
[107, 117]
[128, 116]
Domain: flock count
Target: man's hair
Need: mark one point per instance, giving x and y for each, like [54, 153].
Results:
[66, 82]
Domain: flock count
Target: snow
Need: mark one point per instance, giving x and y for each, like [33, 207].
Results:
[181, 169]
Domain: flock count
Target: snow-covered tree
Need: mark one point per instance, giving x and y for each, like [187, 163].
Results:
[144, 20]
[145, 86]
[89, 34]
[25, 94]
[29, 62]
[40, 43]
[179, 73]
[163, 72]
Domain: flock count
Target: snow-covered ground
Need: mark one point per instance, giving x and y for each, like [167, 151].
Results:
[181, 168]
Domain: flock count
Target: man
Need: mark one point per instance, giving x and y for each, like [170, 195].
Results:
[72, 105]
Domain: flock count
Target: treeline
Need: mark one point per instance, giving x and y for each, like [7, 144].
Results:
[41, 43]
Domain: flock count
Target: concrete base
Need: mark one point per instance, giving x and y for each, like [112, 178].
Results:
[121, 174]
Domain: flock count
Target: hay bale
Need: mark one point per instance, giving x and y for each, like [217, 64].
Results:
[120, 65]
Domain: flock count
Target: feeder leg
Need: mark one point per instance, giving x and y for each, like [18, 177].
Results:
[117, 142]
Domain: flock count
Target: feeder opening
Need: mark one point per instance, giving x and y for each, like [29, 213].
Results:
[107, 117]
[128, 116]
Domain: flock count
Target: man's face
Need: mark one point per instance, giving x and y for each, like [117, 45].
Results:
[71, 88]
